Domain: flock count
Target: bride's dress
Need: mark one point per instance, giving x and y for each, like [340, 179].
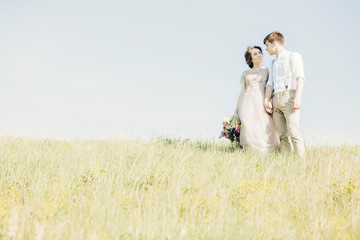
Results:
[257, 126]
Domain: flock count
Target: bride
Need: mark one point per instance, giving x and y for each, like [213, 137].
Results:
[257, 126]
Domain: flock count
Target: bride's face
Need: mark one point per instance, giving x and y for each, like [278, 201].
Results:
[256, 56]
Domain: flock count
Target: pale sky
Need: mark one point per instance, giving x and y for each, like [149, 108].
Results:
[125, 69]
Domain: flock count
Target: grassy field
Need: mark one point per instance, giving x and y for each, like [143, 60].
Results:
[175, 189]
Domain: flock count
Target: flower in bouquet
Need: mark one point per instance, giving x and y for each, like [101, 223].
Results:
[231, 128]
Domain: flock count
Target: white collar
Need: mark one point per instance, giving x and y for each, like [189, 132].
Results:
[283, 54]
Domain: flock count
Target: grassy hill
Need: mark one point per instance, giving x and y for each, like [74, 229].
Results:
[175, 189]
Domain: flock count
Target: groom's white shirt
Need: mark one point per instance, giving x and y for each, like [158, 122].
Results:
[277, 77]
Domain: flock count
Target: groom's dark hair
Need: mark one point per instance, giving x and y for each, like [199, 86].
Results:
[274, 36]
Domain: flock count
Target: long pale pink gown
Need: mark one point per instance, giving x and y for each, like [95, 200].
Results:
[257, 126]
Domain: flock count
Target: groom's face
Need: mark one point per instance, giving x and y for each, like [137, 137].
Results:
[270, 47]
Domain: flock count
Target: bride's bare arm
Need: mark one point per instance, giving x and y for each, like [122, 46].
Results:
[237, 107]
[267, 104]
[243, 87]
[268, 94]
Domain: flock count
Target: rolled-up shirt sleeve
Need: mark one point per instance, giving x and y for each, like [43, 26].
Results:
[298, 66]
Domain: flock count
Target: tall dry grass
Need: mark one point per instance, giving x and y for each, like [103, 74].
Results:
[175, 189]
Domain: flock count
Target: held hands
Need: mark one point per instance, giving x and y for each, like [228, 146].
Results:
[296, 104]
[268, 107]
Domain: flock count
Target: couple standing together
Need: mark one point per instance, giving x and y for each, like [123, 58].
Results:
[270, 100]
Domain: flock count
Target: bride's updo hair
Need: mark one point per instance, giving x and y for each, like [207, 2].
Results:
[248, 57]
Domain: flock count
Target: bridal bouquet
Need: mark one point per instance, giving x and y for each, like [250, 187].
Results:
[231, 129]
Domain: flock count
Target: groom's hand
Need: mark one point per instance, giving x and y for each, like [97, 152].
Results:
[296, 104]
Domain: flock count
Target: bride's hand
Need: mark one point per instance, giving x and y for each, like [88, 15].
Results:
[236, 115]
[268, 107]
[271, 107]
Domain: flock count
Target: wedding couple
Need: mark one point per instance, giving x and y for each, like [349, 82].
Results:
[270, 100]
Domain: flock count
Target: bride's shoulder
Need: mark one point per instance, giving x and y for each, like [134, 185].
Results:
[246, 72]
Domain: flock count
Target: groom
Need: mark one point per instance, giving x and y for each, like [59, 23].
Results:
[286, 81]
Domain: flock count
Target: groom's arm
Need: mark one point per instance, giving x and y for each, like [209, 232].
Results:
[298, 70]
[299, 88]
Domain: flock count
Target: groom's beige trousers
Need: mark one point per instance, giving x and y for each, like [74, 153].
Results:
[286, 121]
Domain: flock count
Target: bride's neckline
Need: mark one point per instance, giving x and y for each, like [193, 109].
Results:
[260, 68]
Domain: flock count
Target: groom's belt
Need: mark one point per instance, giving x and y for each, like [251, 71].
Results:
[284, 92]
